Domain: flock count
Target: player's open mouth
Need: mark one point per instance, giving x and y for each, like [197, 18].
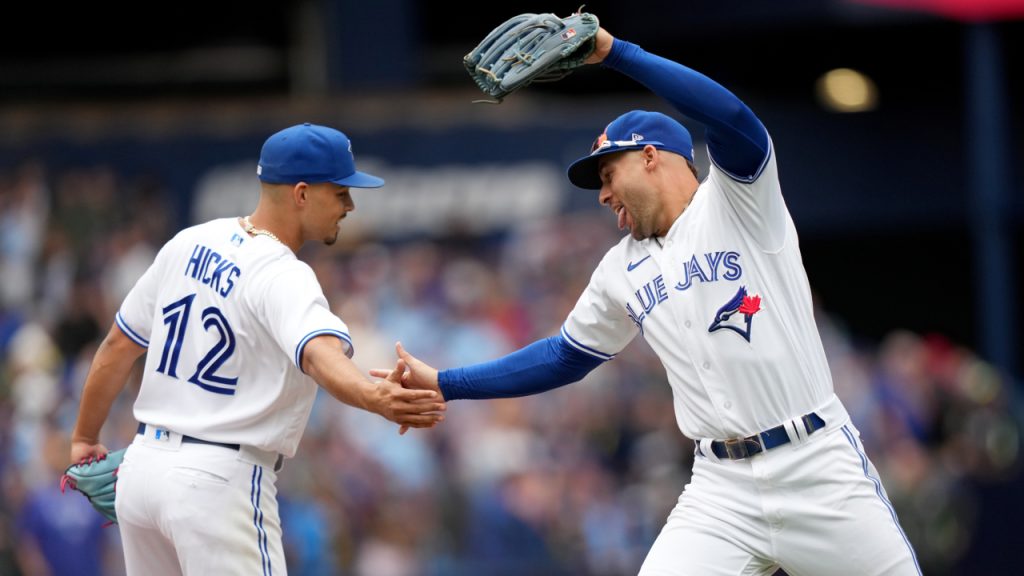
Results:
[622, 217]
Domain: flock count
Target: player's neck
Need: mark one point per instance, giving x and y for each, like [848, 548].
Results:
[265, 224]
[675, 206]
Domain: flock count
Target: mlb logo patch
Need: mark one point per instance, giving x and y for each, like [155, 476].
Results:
[569, 34]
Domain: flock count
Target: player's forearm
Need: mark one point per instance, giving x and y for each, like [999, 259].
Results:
[325, 361]
[107, 377]
[335, 372]
[356, 392]
[691, 92]
[736, 138]
[539, 367]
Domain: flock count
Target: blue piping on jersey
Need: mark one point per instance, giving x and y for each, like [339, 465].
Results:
[257, 518]
[582, 348]
[745, 179]
[131, 334]
[302, 344]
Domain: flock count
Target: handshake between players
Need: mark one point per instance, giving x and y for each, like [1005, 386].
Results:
[397, 400]
[414, 374]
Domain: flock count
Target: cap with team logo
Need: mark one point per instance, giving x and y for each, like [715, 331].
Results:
[631, 131]
[311, 154]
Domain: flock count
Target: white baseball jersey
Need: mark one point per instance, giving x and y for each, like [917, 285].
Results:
[724, 301]
[225, 318]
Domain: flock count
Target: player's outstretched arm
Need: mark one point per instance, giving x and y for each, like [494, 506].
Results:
[737, 140]
[325, 361]
[539, 367]
[107, 377]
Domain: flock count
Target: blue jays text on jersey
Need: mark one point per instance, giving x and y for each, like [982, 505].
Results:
[647, 297]
[692, 268]
[212, 269]
[714, 266]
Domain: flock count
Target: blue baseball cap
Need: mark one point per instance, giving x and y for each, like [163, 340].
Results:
[631, 131]
[312, 154]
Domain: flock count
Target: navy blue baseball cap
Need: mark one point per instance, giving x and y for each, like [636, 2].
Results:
[631, 131]
[311, 154]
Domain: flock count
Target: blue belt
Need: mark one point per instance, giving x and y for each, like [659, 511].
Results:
[191, 439]
[740, 448]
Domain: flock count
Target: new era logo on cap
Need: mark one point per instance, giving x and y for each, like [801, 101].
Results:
[603, 142]
[631, 131]
[311, 154]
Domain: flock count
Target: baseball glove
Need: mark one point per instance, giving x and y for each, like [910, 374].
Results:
[531, 48]
[97, 479]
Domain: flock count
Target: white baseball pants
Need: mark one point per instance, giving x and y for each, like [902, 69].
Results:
[196, 509]
[814, 507]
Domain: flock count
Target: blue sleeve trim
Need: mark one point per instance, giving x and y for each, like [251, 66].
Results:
[305, 340]
[568, 337]
[131, 334]
[745, 179]
[541, 366]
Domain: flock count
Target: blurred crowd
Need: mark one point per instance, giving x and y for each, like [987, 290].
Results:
[575, 481]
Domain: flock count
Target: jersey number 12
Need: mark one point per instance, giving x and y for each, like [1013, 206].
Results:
[176, 315]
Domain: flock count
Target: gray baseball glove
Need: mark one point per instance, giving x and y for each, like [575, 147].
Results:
[97, 479]
[531, 48]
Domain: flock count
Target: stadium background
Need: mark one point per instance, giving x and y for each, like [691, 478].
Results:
[114, 136]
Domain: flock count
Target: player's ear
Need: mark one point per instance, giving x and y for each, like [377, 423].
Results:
[300, 192]
[650, 155]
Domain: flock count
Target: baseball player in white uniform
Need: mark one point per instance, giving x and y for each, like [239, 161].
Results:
[711, 276]
[239, 334]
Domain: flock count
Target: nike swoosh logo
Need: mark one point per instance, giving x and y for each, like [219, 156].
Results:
[632, 265]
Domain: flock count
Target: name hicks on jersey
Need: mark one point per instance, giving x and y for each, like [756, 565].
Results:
[213, 270]
[712, 267]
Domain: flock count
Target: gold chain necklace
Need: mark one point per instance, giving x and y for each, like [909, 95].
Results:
[254, 231]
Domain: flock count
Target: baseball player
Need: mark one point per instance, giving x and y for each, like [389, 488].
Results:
[711, 276]
[239, 334]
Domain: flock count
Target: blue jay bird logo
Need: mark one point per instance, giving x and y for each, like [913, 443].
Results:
[742, 304]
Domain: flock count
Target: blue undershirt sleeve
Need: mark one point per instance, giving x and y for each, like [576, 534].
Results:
[539, 367]
[737, 140]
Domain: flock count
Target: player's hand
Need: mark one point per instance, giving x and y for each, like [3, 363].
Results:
[420, 375]
[603, 47]
[82, 451]
[406, 407]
